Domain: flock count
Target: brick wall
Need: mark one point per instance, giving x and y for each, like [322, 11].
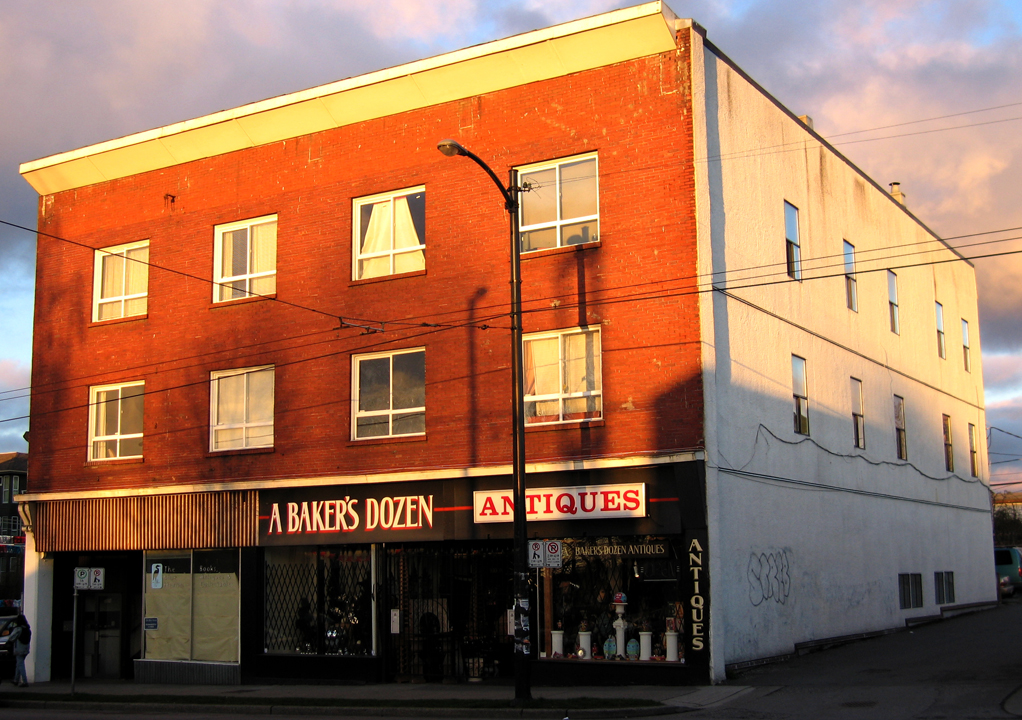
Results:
[637, 285]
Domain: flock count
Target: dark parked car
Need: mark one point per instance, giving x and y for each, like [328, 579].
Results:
[6, 649]
[1009, 563]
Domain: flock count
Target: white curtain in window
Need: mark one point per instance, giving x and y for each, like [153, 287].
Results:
[264, 258]
[376, 238]
[406, 237]
[542, 374]
[113, 276]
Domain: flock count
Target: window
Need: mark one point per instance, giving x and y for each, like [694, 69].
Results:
[5, 481]
[561, 204]
[390, 233]
[320, 600]
[241, 408]
[910, 590]
[115, 421]
[563, 376]
[858, 422]
[390, 394]
[15, 485]
[944, 587]
[892, 302]
[966, 351]
[973, 452]
[798, 389]
[120, 281]
[196, 594]
[245, 259]
[941, 349]
[949, 453]
[851, 293]
[900, 437]
[793, 248]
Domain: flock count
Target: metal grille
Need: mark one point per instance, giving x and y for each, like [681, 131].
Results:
[453, 600]
[318, 601]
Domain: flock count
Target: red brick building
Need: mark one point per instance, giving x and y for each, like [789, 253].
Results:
[272, 373]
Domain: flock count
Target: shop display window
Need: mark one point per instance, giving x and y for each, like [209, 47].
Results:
[319, 601]
[192, 605]
[579, 602]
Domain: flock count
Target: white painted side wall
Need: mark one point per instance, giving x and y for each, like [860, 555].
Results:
[38, 609]
[809, 534]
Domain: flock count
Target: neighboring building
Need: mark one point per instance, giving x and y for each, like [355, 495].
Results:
[13, 481]
[272, 377]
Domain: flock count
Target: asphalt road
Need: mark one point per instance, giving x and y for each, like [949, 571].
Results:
[964, 667]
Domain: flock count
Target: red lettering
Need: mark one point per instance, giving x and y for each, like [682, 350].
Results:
[566, 504]
[488, 508]
[632, 499]
[582, 498]
[607, 495]
[508, 504]
[548, 497]
[531, 499]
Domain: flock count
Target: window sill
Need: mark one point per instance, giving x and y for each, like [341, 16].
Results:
[115, 461]
[118, 321]
[242, 301]
[546, 252]
[386, 440]
[240, 451]
[383, 278]
[568, 425]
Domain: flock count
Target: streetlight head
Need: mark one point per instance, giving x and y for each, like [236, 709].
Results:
[450, 148]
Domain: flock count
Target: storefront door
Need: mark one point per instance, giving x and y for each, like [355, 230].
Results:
[101, 634]
[448, 604]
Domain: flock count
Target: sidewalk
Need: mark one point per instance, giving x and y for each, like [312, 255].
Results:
[405, 699]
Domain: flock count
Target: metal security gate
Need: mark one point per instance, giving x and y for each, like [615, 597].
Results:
[451, 602]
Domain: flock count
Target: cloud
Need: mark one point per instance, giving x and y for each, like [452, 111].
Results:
[14, 382]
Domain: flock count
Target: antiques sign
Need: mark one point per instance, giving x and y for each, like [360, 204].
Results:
[585, 502]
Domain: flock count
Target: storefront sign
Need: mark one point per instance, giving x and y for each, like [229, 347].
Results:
[359, 514]
[584, 502]
[658, 548]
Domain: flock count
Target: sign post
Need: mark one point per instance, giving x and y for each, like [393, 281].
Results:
[85, 579]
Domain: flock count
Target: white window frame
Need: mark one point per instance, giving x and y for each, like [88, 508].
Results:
[5, 482]
[222, 283]
[941, 344]
[966, 346]
[949, 448]
[560, 222]
[245, 426]
[858, 416]
[900, 428]
[800, 394]
[124, 297]
[973, 452]
[392, 253]
[851, 291]
[566, 393]
[792, 244]
[117, 437]
[892, 302]
[390, 411]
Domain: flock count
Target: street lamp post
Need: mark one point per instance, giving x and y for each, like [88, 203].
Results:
[511, 194]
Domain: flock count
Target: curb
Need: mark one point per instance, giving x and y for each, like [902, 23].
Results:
[327, 710]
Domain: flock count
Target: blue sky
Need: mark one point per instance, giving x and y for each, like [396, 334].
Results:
[80, 73]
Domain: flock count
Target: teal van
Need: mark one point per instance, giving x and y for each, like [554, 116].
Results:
[1009, 564]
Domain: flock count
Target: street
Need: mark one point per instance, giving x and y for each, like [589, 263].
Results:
[965, 667]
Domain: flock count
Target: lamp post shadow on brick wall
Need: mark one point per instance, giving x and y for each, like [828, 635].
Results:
[511, 194]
